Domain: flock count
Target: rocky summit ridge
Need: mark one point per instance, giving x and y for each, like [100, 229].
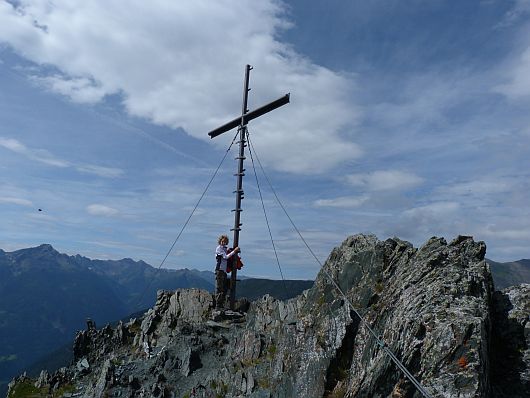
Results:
[435, 308]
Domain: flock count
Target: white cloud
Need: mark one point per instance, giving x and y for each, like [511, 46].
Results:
[42, 218]
[343, 202]
[181, 63]
[515, 72]
[496, 192]
[16, 201]
[109, 172]
[385, 180]
[519, 9]
[101, 210]
[504, 232]
[81, 90]
[518, 84]
[118, 245]
[480, 187]
[432, 211]
[437, 218]
[440, 218]
[44, 156]
[39, 155]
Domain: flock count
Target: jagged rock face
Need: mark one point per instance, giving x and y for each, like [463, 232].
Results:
[432, 306]
[429, 305]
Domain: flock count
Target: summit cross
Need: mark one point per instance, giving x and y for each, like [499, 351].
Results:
[241, 123]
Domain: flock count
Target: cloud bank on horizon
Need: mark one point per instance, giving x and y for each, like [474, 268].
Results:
[405, 121]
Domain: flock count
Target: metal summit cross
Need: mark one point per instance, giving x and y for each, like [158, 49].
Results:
[241, 122]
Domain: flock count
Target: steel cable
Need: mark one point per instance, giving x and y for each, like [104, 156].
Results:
[187, 221]
[265, 214]
[380, 342]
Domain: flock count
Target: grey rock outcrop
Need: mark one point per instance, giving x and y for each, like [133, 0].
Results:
[434, 307]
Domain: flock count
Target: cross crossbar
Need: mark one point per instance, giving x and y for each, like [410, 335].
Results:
[247, 117]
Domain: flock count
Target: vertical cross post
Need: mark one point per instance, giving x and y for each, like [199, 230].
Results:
[239, 185]
[241, 122]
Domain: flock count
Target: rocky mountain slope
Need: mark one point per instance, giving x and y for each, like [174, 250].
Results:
[250, 288]
[45, 297]
[254, 288]
[434, 307]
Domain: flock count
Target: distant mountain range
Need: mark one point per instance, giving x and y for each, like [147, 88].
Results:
[46, 296]
[510, 274]
[465, 340]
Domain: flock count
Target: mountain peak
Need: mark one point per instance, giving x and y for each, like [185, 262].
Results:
[46, 247]
[43, 249]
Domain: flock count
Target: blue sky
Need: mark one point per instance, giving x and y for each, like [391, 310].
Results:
[407, 118]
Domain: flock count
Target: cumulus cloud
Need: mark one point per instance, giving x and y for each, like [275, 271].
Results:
[44, 156]
[101, 210]
[82, 90]
[385, 180]
[181, 63]
[441, 218]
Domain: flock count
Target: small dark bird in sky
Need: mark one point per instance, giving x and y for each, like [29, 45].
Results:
[40, 209]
